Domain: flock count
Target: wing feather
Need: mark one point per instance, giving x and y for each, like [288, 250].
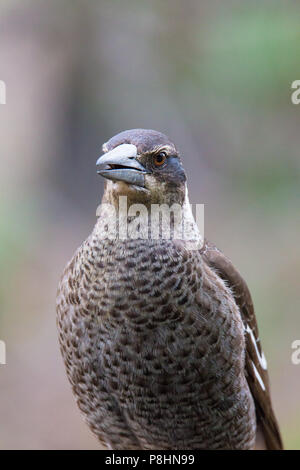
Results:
[255, 362]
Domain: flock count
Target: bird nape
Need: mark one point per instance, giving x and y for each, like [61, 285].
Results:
[158, 336]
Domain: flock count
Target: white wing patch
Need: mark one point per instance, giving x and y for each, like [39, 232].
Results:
[261, 358]
[261, 383]
[264, 361]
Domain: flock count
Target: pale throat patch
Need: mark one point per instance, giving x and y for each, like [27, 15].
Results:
[192, 229]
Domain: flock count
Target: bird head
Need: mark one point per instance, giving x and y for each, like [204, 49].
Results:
[143, 165]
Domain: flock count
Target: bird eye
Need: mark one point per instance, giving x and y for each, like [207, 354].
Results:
[160, 158]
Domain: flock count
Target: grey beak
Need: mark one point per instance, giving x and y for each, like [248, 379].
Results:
[123, 165]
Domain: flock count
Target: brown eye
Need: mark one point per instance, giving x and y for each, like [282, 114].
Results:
[160, 158]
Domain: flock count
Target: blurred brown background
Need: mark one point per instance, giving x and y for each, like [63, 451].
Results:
[213, 75]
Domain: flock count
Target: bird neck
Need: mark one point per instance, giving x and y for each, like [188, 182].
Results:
[123, 219]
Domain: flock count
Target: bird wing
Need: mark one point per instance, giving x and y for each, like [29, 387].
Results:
[255, 363]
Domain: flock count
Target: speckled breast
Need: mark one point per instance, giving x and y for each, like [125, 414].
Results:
[153, 345]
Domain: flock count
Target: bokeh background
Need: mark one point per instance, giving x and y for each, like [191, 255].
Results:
[216, 77]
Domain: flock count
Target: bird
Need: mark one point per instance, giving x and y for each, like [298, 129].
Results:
[158, 333]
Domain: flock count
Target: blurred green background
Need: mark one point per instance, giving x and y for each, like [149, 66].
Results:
[216, 77]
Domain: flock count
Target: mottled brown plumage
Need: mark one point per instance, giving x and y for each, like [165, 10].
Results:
[159, 340]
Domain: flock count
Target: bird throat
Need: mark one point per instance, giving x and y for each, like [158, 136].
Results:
[122, 218]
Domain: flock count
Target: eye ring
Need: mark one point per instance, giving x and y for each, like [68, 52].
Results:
[159, 159]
